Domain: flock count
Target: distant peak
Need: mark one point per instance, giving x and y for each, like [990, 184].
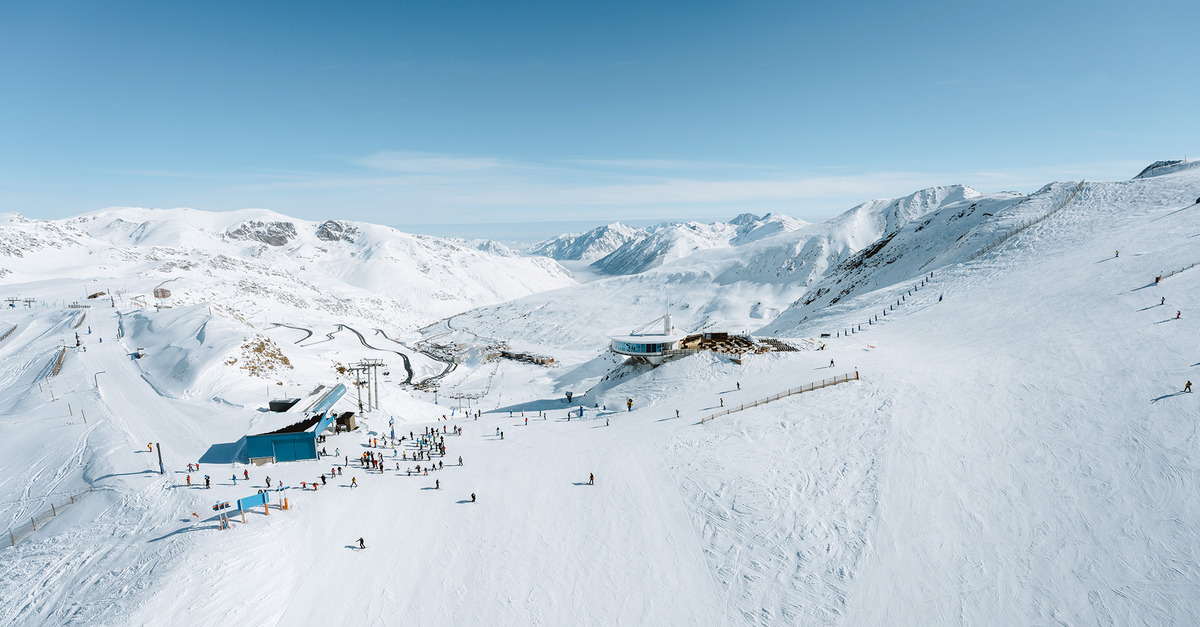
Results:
[1160, 168]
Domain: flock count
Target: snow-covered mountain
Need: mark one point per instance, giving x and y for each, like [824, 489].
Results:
[720, 286]
[1016, 422]
[588, 246]
[248, 258]
[619, 249]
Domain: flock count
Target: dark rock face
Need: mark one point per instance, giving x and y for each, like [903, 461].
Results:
[270, 233]
[335, 230]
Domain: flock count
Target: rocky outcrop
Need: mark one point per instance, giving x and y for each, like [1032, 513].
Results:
[270, 233]
[336, 231]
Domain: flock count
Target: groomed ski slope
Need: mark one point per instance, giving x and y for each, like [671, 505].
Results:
[1018, 453]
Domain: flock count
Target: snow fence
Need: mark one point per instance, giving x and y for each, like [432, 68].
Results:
[841, 378]
[16, 534]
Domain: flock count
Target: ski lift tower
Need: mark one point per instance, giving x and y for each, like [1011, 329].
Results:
[368, 369]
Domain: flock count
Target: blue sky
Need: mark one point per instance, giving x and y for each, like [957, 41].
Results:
[439, 112]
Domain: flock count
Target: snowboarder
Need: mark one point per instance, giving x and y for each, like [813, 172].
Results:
[830, 363]
[353, 482]
[472, 497]
[361, 544]
[322, 478]
[591, 479]
[1188, 387]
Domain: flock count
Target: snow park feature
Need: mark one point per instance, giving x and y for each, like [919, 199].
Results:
[1020, 448]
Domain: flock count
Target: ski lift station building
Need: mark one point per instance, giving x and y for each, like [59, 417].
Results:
[650, 342]
[292, 435]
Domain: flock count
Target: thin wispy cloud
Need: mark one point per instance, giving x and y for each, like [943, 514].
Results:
[409, 187]
[428, 163]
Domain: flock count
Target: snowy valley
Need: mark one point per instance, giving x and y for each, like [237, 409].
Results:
[1014, 447]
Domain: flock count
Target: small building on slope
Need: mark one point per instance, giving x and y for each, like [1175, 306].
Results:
[292, 435]
[649, 342]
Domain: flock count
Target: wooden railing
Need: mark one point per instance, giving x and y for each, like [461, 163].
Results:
[824, 383]
[62, 353]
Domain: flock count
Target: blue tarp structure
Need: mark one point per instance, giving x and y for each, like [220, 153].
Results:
[299, 439]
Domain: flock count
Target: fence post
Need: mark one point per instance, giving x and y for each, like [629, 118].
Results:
[33, 523]
[53, 512]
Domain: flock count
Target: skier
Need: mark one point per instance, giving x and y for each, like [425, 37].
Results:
[235, 479]
[676, 413]
[526, 421]
[437, 485]
[722, 402]
[246, 473]
[939, 298]
[1188, 387]
[207, 482]
[472, 497]
[322, 478]
[353, 482]
[460, 460]
[830, 363]
[150, 445]
[591, 479]
[1177, 314]
[1117, 255]
[268, 481]
[361, 545]
[1163, 301]
[501, 435]
[189, 481]
[739, 385]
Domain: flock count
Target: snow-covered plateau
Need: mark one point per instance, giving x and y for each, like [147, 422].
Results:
[1015, 445]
